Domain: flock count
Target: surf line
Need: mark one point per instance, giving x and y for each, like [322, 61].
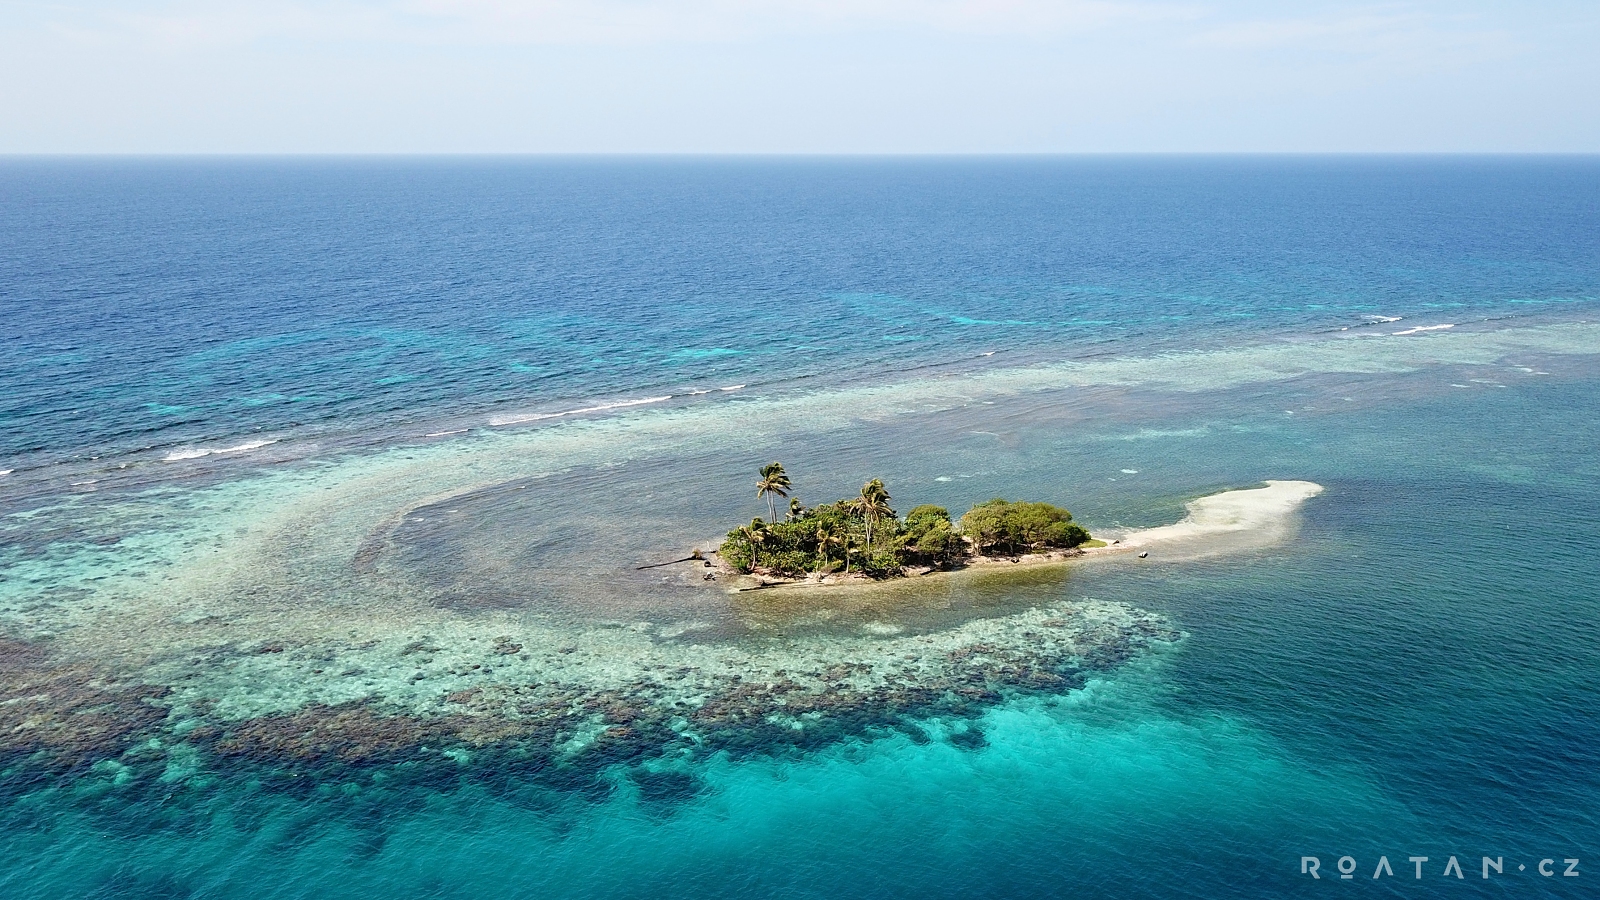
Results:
[603, 407]
[199, 452]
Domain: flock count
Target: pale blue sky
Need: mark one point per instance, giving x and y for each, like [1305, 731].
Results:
[796, 76]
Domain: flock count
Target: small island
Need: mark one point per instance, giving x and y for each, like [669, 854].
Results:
[863, 538]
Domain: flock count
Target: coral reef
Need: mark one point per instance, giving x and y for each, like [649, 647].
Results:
[65, 717]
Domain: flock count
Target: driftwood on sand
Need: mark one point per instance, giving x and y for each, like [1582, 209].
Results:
[694, 556]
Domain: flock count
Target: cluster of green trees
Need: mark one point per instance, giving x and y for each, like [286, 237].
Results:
[1022, 526]
[865, 534]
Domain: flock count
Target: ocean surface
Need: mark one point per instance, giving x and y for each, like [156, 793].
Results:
[296, 452]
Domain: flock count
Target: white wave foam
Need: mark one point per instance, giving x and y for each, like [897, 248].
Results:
[731, 387]
[443, 433]
[1130, 471]
[5, 472]
[539, 417]
[1384, 320]
[198, 452]
[1422, 328]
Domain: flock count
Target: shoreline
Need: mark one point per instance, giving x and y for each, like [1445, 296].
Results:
[1260, 515]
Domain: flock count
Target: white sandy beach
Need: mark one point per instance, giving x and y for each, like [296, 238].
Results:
[1260, 513]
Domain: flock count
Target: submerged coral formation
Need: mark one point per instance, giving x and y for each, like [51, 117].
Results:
[553, 708]
[63, 717]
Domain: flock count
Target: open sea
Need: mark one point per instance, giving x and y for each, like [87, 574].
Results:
[324, 484]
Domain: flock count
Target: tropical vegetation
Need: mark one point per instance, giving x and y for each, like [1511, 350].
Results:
[863, 534]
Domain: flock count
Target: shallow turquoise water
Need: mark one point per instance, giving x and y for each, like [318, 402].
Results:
[1411, 673]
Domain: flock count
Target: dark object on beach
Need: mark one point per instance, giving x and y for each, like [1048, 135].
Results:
[1144, 554]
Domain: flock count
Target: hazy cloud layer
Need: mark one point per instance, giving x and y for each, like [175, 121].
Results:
[577, 21]
[796, 76]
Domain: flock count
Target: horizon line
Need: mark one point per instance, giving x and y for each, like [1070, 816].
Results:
[769, 154]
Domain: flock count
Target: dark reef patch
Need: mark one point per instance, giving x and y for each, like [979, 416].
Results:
[969, 738]
[57, 718]
[666, 787]
[530, 743]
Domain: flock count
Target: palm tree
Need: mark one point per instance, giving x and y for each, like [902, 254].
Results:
[774, 483]
[872, 506]
[796, 508]
[756, 534]
[828, 536]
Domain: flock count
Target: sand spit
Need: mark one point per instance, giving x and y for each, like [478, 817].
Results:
[1262, 515]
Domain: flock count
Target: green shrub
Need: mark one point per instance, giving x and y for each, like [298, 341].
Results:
[1021, 526]
[735, 551]
[792, 563]
[881, 564]
[929, 537]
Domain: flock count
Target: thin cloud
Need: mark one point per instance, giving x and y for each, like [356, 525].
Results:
[187, 22]
[1371, 33]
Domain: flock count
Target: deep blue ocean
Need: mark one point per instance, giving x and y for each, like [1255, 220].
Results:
[220, 378]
